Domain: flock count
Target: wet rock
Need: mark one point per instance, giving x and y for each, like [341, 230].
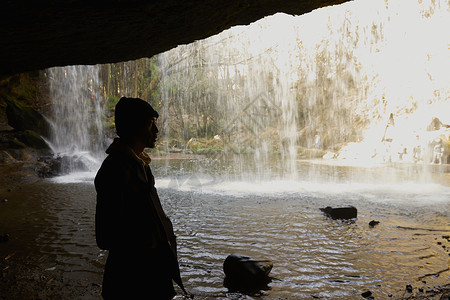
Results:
[22, 118]
[4, 238]
[32, 139]
[245, 273]
[373, 223]
[49, 167]
[15, 143]
[367, 295]
[409, 288]
[6, 158]
[342, 213]
[4, 200]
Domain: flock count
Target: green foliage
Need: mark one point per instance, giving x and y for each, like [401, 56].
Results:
[308, 153]
[112, 101]
[205, 146]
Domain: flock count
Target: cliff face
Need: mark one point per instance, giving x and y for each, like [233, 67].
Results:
[41, 34]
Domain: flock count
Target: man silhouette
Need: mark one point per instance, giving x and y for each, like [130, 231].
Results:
[130, 221]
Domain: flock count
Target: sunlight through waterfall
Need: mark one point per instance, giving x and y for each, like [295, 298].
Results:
[361, 83]
[78, 138]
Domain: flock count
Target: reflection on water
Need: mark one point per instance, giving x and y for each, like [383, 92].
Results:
[313, 256]
[52, 251]
[51, 223]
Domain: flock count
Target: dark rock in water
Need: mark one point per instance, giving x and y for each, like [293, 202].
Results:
[245, 273]
[49, 167]
[367, 294]
[52, 166]
[4, 238]
[343, 213]
[409, 288]
[373, 223]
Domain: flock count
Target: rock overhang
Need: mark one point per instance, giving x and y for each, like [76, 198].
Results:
[39, 35]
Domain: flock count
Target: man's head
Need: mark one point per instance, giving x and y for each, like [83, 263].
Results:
[135, 119]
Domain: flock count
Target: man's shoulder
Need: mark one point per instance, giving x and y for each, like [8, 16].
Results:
[114, 166]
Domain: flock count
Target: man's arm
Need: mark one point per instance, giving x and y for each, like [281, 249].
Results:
[108, 209]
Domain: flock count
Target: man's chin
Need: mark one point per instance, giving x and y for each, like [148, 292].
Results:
[151, 144]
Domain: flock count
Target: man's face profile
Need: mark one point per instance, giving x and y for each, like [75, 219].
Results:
[151, 133]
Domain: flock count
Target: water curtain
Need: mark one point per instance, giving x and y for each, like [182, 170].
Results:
[78, 136]
[357, 82]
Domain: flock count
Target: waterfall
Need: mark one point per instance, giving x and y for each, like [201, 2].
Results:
[359, 82]
[78, 137]
[229, 88]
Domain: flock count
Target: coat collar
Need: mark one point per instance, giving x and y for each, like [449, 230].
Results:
[143, 159]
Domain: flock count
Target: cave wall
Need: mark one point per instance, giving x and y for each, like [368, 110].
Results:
[41, 34]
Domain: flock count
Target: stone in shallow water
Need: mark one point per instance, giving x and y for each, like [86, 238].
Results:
[245, 273]
[343, 213]
[373, 223]
[367, 294]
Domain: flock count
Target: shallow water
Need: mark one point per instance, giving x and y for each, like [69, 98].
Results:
[50, 223]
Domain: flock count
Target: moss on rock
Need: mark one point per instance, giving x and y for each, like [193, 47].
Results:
[32, 139]
[22, 117]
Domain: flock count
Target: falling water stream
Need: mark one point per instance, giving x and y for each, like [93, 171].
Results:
[325, 82]
[330, 78]
[78, 136]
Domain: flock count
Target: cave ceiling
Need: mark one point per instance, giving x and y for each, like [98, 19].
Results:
[40, 34]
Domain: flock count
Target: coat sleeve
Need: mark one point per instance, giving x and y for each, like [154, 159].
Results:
[165, 220]
[110, 194]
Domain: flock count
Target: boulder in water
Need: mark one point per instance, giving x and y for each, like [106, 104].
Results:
[342, 213]
[51, 166]
[245, 273]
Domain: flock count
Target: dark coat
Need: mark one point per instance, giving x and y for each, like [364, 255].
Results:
[131, 224]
